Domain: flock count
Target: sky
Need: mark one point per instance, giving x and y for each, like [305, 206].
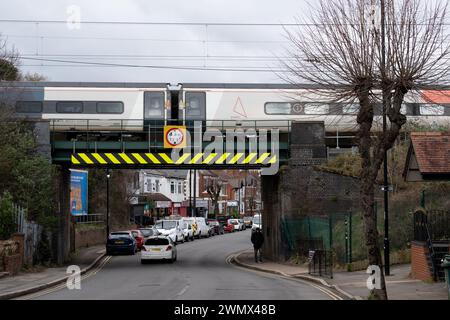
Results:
[199, 46]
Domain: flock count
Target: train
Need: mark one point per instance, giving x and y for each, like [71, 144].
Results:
[134, 107]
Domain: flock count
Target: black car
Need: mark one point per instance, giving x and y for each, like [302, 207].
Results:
[217, 227]
[121, 242]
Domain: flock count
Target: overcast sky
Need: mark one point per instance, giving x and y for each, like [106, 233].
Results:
[157, 45]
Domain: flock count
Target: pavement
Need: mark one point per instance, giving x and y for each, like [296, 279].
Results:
[203, 271]
[28, 282]
[399, 284]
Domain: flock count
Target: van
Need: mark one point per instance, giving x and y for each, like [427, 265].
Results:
[256, 222]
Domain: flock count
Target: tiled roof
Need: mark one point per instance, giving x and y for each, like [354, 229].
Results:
[432, 151]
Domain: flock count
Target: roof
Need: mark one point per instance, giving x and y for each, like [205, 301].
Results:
[429, 153]
[436, 96]
[177, 174]
[157, 197]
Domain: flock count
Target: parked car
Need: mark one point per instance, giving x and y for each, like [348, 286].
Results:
[203, 227]
[193, 223]
[216, 227]
[188, 231]
[235, 223]
[139, 237]
[149, 232]
[121, 242]
[228, 228]
[248, 222]
[159, 248]
[171, 228]
[257, 222]
[241, 224]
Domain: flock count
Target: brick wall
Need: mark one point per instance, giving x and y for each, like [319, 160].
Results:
[89, 237]
[419, 263]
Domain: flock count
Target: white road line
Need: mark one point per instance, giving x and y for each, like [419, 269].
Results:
[63, 285]
[320, 288]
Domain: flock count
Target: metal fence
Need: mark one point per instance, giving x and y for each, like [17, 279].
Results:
[320, 263]
[20, 215]
[89, 218]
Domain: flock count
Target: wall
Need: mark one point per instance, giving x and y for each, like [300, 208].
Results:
[86, 236]
[298, 189]
[419, 263]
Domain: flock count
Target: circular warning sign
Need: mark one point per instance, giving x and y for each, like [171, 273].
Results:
[175, 136]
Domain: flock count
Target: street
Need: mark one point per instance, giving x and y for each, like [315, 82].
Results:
[201, 273]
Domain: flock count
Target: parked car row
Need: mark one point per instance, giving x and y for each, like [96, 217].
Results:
[159, 241]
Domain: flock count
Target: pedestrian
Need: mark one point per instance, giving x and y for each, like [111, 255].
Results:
[257, 240]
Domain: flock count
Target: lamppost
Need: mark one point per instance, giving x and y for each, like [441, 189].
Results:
[108, 176]
[385, 168]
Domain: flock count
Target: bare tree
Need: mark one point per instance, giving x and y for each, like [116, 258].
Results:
[9, 61]
[339, 49]
[213, 187]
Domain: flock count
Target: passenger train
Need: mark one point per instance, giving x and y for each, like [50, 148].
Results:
[135, 106]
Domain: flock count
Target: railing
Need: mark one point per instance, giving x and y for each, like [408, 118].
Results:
[320, 263]
[20, 214]
[89, 218]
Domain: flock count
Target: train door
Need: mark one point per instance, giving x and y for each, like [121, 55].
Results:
[174, 102]
[154, 116]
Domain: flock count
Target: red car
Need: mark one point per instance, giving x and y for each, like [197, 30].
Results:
[228, 228]
[137, 234]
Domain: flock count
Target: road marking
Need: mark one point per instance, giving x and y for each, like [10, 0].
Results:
[320, 288]
[183, 290]
[63, 285]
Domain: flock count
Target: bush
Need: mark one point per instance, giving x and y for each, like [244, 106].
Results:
[7, 222]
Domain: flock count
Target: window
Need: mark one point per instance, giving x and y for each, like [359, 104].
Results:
[172, 187]
[403, 108]
[110, 107]
[277, 108]
[179, 188]
[157, 242]
[431, 110]
[69, 107]
[29, 107]
[350, 108]
[149, 185]
[195, 105]
[156, 185]
[316, 108]
[154, 105]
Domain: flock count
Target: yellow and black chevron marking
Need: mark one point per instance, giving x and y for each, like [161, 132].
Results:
[143, 159]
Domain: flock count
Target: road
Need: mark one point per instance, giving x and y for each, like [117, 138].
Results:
[201, 272]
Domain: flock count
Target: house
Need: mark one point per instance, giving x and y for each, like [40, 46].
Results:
[428, 157]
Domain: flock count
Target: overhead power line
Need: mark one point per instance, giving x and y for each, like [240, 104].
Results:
[192, 68]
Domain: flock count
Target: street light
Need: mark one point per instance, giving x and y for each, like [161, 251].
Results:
[108, 176]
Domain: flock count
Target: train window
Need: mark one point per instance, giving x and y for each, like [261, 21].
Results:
[29, 106]
[316, 108]
[195, 105]
[277, 108]
[69, 107]
[431, 110]
[110, 107]
[154, 105]
[350, 108]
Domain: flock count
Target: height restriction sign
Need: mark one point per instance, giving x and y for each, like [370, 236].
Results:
[174, 136]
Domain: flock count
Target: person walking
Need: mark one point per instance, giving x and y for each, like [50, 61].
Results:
[257, 240]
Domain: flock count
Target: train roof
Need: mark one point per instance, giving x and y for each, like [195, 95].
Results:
[40, 84]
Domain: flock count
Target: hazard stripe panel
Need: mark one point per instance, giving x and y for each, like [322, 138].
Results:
[163, 159]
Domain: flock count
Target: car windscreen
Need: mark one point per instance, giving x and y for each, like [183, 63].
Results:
[257, 220]
[147, 232]
[166, 225]
[157, 242]
[234, 222]
[214, 223]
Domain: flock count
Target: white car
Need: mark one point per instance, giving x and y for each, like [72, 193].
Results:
[193, 223]
[159, 248]
[236, 224]
[242, 224]
[188, 230]
[171, 228]
[257, 222]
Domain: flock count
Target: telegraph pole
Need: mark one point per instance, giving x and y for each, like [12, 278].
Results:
[385, 168]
